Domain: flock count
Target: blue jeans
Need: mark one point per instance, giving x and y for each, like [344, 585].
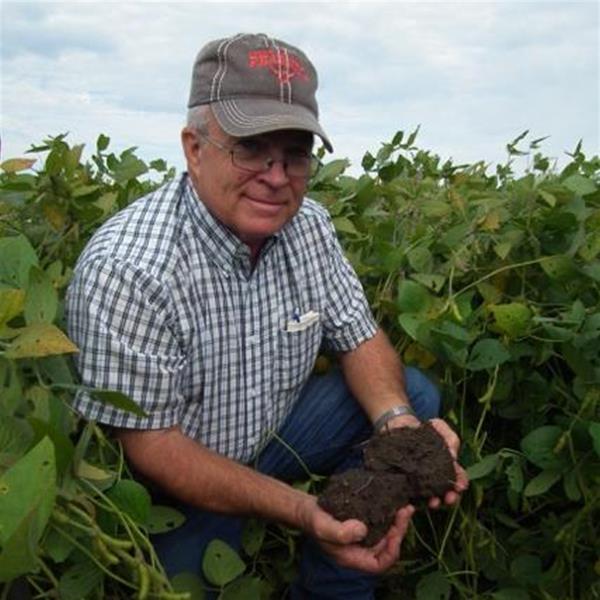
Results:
[325, 429]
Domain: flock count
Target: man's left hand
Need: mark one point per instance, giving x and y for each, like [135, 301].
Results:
[461, 482]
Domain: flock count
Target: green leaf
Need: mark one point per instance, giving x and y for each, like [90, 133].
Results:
[511, 593]
[513, 319]
[594, 430]
[592, 271]
[221, 563]
[118, 400]
[102, 142]
[63, 447]
[541, 483]
[18, 256]
[164, 518]
[368, 161]
[56, 368]
[345, 225]
[15, 439]
[85, 190]
[27, 494]
[484, 467]
[410, 323]
[11, 392]
[253, 536]
[244, 588]
[486, 354]
[12, 302]
[514, 474]
[502, 249]
[579, 184]
[558, 267]
[129, 168]
[571, 486]
[413, 297]
[433, 585]
[57, 546]
[40, 339]
[80, 580]
[41, 302]
[433, 282]
[557, 334]
[420, 259]
[549, 198]
[435, 208]
[190, 583]
[132, 498]
[538, 446]
[527, 569]
[330, 171]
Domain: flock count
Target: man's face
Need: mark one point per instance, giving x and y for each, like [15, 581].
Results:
[253, 205]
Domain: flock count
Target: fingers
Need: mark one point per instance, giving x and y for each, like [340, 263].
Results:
[462, 479]
[328, 529]
[333, 531]
[451, 439]
[461, 482]
[380, 557]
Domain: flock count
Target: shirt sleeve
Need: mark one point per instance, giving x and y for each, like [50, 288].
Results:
[118, 316]
[348, 318]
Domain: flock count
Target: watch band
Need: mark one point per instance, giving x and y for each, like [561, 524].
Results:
[388, 415]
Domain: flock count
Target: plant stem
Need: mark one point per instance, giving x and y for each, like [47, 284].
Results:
[498, 271]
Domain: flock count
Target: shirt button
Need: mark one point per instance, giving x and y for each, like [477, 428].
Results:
[253, 339]
[252, 392]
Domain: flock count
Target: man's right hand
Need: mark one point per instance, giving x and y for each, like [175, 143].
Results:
[341, 539]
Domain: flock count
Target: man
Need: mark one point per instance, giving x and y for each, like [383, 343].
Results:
[207, 302]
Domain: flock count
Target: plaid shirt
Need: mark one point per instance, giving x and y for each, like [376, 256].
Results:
[165, 307]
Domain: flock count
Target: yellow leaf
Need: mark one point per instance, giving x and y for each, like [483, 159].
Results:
[491, 221]
[55, 215]
[40, 339]
[416, 354]
[87, 471]
[107, 202]
[13, 165]
[11, 304]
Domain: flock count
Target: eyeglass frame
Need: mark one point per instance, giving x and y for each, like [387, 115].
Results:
[314, 162]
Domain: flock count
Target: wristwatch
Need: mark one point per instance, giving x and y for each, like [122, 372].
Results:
[388, 415]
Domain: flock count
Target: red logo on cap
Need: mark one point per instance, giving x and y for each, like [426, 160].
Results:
[284, 65]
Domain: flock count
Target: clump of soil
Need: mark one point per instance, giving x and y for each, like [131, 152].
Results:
[401, 466]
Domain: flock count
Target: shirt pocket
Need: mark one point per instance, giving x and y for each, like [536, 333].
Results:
[296, 354]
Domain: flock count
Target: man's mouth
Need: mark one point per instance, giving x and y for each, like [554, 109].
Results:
[264, 204]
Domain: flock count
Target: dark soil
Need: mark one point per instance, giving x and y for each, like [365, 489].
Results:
[400, 466]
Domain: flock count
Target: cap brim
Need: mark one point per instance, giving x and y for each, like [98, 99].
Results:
[252, 116]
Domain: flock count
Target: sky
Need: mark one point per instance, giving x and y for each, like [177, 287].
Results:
[473, 75]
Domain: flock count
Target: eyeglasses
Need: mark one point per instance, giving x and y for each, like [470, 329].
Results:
[253, 155]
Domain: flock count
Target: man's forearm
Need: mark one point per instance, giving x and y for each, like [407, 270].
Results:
[198, 476]
[375, 376]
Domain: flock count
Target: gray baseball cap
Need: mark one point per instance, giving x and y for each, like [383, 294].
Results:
[255, 84]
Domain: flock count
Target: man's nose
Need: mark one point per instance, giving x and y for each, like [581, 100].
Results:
[275, 173]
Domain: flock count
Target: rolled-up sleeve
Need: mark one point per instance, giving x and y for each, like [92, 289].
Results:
[118, 315]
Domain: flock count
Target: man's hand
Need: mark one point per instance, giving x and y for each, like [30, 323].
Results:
[340, 539]
[461, 482]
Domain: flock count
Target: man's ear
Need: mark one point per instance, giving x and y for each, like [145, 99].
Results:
[191, 146]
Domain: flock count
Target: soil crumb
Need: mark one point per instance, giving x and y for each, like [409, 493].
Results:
[400, 466]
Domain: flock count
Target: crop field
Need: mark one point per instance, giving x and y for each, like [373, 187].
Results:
[488, 278]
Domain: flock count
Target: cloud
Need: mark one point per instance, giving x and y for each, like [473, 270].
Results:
[473, 74]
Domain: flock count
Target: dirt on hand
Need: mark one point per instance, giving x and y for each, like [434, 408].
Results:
[400, 466]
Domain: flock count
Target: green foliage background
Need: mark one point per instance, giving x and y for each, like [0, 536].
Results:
[490, 281]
